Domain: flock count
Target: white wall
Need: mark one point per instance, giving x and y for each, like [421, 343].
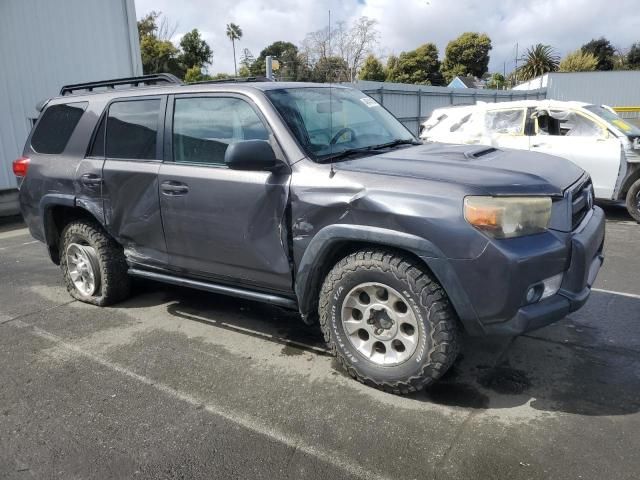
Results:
[45, 44]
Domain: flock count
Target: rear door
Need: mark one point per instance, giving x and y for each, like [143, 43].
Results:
[133, 151]
[222, 224]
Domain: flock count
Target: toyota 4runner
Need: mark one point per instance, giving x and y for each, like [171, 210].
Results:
[314, 198]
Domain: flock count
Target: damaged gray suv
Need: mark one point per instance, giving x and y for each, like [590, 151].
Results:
[312, 198]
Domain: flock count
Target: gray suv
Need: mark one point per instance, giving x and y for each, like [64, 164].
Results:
[314, 198]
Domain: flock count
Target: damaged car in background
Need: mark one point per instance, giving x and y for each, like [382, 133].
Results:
[593, 137]
[312, 198]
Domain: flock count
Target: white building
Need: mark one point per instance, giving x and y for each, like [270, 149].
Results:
[47, 44]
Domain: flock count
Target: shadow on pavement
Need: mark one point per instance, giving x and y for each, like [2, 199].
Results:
[567, 367]
[615, 212]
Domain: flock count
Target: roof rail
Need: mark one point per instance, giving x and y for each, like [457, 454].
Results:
[234, 80]
[146, 80]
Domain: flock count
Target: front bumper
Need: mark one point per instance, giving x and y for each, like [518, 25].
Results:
[495, 283]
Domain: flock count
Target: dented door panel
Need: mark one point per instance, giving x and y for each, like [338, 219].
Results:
[229, 225]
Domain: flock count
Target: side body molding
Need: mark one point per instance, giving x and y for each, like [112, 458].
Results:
[307, 282]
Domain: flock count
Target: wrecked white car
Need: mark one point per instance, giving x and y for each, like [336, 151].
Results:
[591, 136]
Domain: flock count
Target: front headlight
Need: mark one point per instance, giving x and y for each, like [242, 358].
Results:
[508, 217]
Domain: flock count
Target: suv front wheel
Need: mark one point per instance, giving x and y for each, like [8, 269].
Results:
[93, 264]
[389, 323]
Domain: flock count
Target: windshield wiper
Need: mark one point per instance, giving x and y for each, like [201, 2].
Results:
[354, 151]
[399, 141]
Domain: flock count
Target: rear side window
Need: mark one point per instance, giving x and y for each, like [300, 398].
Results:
[56, 126]
[132, 129]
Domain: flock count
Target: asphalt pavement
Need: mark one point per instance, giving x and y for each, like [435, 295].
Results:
[175, 383]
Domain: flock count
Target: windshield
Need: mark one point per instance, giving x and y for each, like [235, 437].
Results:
[329, 121]
[622, 125]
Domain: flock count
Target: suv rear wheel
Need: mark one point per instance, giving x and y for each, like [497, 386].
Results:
[93, 264]
[388, 321]
[633, 200]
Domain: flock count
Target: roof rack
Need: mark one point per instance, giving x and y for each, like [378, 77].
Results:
[145, 80]
[234, 80]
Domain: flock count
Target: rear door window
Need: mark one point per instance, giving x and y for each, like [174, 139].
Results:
[132, 129]
[56, 126]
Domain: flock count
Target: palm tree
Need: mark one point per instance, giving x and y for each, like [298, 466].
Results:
[538, 60]
[234, 32]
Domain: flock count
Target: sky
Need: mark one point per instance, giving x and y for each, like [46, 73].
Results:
[405, 24]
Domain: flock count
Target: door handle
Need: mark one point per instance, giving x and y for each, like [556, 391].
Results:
[536, 145]
[173, 188]
[91, 179]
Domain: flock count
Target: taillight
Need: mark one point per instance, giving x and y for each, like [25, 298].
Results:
[21, 166]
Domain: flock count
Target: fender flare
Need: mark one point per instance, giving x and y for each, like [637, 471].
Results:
[321, 244]
[49, 201]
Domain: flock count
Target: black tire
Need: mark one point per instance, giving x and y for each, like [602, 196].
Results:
[438, 324]
[114, 282]
[633, 200]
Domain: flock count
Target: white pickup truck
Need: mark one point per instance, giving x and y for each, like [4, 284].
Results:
[593, 137]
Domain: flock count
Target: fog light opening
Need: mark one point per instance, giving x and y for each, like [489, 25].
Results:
[544, 289]
[534, 294]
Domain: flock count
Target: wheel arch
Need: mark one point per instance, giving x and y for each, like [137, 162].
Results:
[58, 211]
[335, 242]
[630, 180]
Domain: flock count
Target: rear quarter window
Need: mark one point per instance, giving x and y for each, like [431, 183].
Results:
[56, 126]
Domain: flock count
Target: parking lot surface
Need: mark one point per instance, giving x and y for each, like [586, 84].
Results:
[176, 383]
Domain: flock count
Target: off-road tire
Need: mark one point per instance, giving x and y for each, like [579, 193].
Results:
[438, 340]
[632, 200]
[115, 283]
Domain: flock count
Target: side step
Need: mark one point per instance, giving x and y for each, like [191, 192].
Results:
[216, 288]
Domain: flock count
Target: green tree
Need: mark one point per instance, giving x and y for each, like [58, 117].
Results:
[496, 82]
[330, 70]
[419, 66]
[467, 55]
[246, 59]
[372, 69]
[291, 65]
[633, 57]
[234, 32]
[538, 60]
[579, 61]
[603, 51]
[392, 68]
[195, 74]
[195, 51]
[455, 71]
[157, 52]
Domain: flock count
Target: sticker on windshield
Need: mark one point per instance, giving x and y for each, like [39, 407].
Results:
[369, 102]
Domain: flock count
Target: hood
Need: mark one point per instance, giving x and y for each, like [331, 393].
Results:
[496, 172]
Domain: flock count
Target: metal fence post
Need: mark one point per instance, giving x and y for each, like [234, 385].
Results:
[381, 95]
[419, 110]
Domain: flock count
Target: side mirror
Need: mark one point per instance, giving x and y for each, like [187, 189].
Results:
[250, 155]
